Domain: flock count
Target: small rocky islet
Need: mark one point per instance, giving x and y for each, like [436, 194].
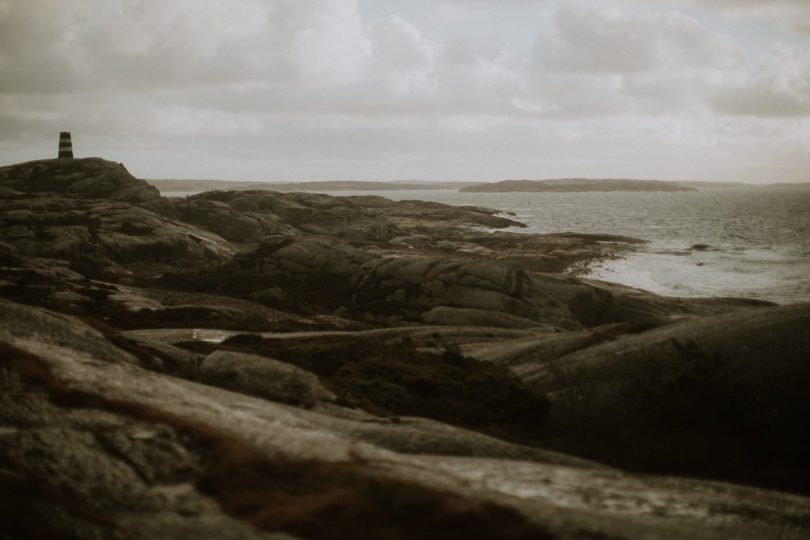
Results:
[255, 364]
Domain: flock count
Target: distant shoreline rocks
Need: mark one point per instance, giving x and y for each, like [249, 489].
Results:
[575, 185]
[175, 185]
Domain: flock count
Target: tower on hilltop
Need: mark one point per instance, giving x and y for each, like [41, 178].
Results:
[65, 145]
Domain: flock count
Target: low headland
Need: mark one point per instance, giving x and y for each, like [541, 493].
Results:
[260, 364]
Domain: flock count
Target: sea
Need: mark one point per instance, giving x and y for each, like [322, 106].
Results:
[740, 242]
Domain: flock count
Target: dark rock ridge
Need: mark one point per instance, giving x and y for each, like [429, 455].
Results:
[577, 184]
[279, 365]
[720, 396]
[246, 216]
[104, 237]
[86, 178]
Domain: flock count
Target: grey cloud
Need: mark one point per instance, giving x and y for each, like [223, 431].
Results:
[322, 89]
[150, 44]
[777, 83]
[794, 14]
[762, 100]
[592, 61]
[759, 4]
[802, 25]
[589, 40]
[776, 86]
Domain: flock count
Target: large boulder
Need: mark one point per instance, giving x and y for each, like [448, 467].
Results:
[234, 222]
[464, 292]
[53, 330]
[87, 178]
[246, 216]
[764, 351]
[263, 377]
[95, 234]
[722, 395]
[325, 275]
[595, 303]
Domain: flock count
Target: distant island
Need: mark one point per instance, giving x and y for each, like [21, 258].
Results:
[788, 185]
[716, 185]
[551, 185]
[575, 184]
[742, 185]
[320, 186]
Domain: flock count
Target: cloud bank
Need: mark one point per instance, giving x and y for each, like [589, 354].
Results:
[285, 89]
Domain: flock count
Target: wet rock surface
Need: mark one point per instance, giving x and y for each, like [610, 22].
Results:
[289, 365]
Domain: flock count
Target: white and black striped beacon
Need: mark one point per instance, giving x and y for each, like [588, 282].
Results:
[65, 146]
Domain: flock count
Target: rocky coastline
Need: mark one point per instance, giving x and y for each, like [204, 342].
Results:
[259, 364]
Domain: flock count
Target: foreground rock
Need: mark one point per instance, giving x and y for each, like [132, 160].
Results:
[127, 452]
[262, 377]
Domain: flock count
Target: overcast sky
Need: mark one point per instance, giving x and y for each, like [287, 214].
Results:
[412, 89]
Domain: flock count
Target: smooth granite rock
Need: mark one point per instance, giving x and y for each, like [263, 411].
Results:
[262, 377]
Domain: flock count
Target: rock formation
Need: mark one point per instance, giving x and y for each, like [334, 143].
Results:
[288, 365]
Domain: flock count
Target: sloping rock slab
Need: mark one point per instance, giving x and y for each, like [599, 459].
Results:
[119, 450]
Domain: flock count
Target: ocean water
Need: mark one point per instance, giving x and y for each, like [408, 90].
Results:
[756, 241]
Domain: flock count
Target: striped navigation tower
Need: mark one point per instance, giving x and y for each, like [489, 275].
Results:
[65, 146]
